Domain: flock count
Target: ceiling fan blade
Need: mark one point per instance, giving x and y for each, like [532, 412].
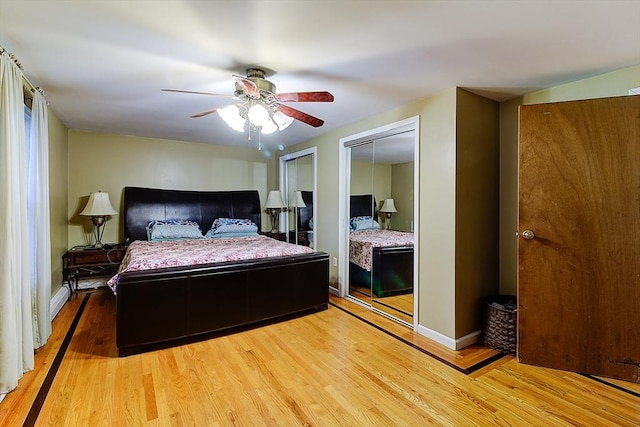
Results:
[299, 115]
[304, 97]
[204, 113]
[249, 87]
[198, 93]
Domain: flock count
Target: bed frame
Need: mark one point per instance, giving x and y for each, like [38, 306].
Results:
[392, 266]
[167, 304]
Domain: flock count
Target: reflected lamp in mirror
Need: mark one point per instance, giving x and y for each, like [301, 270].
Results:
[98, 208]
[298, 201]
[296, 204]
[388, 208]
[275, 205]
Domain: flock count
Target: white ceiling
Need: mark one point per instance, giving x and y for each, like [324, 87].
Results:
[102, 63]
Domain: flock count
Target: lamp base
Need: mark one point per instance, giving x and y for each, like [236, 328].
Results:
[98, 229]
[275, 217]
[388, 215]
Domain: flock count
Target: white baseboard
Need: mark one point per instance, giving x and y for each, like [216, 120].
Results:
[58, 300]
[453, 344]
[468, 339]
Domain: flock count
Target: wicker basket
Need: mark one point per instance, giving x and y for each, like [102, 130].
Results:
[500, 323]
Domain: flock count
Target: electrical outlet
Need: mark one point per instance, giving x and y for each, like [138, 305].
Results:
[335, 261]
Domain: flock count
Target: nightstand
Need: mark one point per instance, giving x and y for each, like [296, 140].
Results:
[83, 262]
[302, 237]
[278, 236]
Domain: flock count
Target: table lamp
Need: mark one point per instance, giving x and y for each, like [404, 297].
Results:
[98, 208]
[274, 206]
[388, 208]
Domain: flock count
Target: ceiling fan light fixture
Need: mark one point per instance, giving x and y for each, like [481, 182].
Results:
[258, 115]
[261, 106]
[269, 127]
[282, 120]
[231, 116]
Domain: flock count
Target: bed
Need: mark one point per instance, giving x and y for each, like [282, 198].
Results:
[380, 260]
[172, 301]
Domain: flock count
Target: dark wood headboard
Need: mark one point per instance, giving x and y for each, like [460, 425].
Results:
[142, 205]
[306, 213]
[363, 205]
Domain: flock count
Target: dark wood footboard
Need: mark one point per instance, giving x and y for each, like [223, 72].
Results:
[392, 272]
[164, 305]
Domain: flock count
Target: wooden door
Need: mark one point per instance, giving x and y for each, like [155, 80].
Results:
[579, 275]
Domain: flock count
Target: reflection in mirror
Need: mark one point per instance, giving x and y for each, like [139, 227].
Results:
[361, 215]
[393, 285]
[299, 184]
[381, 254]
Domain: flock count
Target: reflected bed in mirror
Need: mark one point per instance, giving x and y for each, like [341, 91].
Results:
[380, 261]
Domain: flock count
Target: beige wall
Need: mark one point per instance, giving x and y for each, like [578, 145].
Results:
[436, 276]
[616, 83]
[299, 178]
[108, 162]
[368, 180]
[477, 235]
[304, 173]
[58, 196]
[402, 193]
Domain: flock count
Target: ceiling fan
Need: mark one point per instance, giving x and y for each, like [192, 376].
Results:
[260, 105]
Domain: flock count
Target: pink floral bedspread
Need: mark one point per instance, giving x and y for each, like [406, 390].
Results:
[144, 255]
[361, 244]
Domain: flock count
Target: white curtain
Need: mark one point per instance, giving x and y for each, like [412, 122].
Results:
[20, 304]
[38, 220]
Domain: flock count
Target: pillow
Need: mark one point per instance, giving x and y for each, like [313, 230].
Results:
[173, 230]
[232, 225]
[211, 235]
[358, 223]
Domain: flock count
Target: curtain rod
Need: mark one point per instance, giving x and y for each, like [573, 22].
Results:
[30, 85]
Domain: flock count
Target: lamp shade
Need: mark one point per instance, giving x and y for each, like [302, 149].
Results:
[98, 205]
[388, 206]
[231, 115]
[274, 200]
[282, 120]
[298, 201]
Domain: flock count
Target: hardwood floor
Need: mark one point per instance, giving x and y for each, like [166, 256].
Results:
[466, 360]
[398, 306]
[324, 369]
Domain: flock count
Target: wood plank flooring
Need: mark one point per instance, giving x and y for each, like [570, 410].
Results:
[323, 369]
[398, 306]
[466, 360]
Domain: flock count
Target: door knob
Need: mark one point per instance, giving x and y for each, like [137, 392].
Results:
[528, 234]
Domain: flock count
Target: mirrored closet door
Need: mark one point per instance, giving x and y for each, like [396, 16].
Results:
[361, 217]
[298, 184]
[381, 208]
